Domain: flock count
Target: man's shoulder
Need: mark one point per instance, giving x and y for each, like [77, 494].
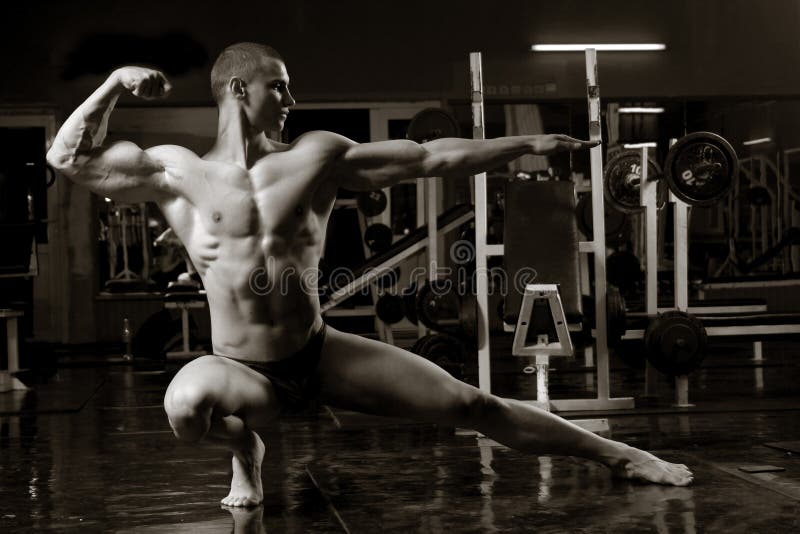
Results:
[172, 152]
[322, 140]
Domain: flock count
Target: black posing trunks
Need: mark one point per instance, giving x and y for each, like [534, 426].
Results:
[294, 377]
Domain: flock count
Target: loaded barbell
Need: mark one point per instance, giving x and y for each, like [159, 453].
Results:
[700, 168]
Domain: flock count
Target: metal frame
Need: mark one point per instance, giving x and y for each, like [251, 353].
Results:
[562, 347]
[543, 349]
[184, 306]
[368, 277]
[597, 247]
[754, 284]
[481, 204]
[648, 193]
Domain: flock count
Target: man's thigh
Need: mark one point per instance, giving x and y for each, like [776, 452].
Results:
[373, 377]
[228, 387]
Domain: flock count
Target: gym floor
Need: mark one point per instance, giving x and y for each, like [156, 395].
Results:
[89, 448]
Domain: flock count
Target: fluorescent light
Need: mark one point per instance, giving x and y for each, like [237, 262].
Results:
[640, 110]
[618, 47]
[757, 141]
[651, 144]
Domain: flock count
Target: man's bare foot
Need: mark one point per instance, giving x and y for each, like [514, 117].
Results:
[641, 465]
[246, 482]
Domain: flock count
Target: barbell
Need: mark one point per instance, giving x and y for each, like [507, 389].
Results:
[700, 169]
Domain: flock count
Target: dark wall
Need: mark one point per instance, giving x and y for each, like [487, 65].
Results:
[380, 50]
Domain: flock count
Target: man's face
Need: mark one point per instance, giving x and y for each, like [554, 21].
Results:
[269, 98]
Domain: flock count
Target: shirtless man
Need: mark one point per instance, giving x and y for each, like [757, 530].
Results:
[253, 205]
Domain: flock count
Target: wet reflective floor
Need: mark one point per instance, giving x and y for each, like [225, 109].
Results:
[89, 449]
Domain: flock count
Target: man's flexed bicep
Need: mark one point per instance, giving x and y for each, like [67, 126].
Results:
[121, 170]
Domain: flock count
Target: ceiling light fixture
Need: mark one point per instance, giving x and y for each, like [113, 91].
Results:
[611, 47]
[640, 110]
[650, 144]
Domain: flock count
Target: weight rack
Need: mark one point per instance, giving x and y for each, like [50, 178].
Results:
[648, 199]
[597, 247]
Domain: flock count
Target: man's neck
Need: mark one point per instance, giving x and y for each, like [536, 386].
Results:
[237, 142]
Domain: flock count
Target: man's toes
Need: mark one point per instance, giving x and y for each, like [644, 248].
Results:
[681, 479]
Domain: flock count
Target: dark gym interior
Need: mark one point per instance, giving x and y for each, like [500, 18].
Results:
[673, 330]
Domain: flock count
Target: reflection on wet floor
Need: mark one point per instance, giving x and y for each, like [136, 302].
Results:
[91, 450]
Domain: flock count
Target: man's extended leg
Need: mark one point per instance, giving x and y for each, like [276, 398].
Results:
[219, 400]
[373, 377]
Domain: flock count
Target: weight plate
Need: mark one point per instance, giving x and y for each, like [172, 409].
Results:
[409, 296]
[622, 177]
[389, 308]
[415, 348]
[430, 124]
[439, 307]
[616, 316]
[616, 222]
[675, 343]
[371, 203]
[701, 168]
[378, 237]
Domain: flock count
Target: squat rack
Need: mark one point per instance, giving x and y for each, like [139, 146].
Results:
[596, 246]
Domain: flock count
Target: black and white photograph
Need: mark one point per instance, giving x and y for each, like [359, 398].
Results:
[400, 266]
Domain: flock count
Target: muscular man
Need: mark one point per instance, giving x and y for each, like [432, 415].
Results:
[253, 205]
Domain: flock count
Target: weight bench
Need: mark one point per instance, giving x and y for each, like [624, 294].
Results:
[541, 240]
[184, 298]
[541, 332]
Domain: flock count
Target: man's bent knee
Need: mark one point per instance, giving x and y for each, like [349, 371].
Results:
[188, 412]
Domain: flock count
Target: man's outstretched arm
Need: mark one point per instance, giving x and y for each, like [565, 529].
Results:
[121, 171]
[372, 166]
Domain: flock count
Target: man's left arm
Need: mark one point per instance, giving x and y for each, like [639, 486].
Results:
[370, 166]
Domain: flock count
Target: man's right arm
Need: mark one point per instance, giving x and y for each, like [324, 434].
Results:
[121, 171]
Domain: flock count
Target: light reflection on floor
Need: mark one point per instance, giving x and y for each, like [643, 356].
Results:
[91, 450]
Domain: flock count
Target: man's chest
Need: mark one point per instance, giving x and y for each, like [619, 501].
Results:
[258, 202]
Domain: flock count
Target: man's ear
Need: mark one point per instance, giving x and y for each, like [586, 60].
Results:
[238, 87]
